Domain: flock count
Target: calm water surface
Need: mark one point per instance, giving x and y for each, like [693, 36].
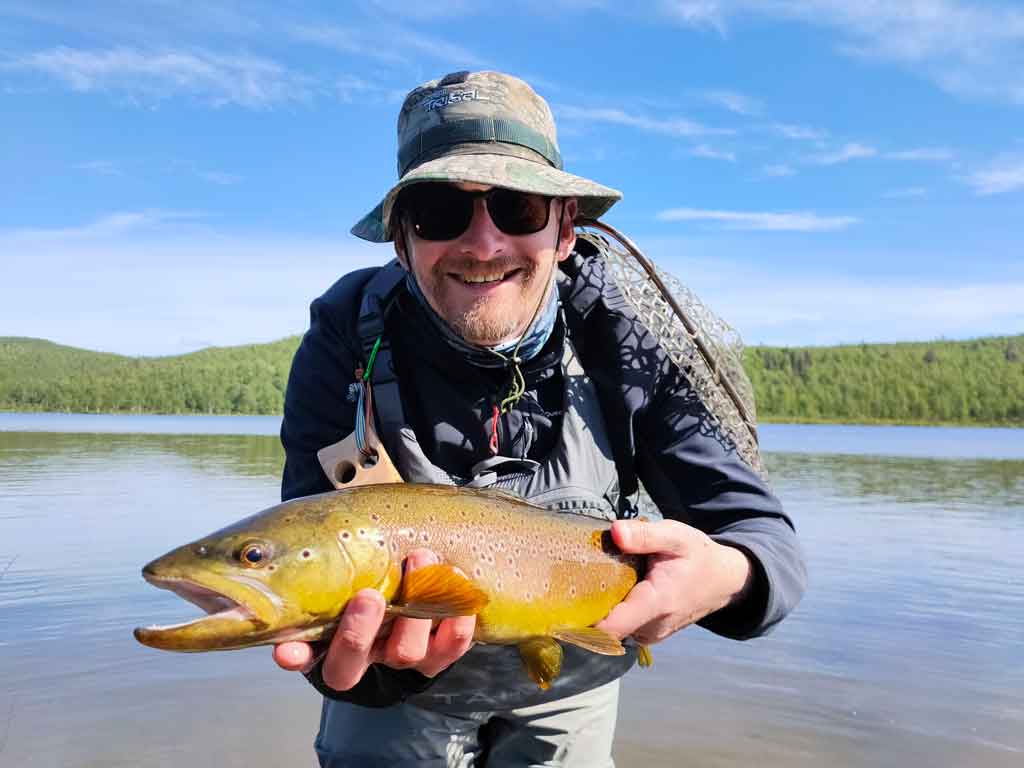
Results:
[907, 650]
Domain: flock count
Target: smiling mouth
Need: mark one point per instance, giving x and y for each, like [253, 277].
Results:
[492, 278]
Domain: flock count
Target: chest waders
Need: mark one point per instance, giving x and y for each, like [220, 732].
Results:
[589, 471]
[578, 476]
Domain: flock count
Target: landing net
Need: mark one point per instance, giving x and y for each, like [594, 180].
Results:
[705, 347]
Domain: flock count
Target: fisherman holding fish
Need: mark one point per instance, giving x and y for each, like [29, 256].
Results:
[502, 355]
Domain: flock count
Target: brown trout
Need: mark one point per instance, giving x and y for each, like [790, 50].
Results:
[531, 577]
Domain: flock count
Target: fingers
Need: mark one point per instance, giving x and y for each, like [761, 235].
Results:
[644, 538]
[293, 656]
[360, 642]
[409, 639]
[350, 652]
[452, 639]
[639, 608]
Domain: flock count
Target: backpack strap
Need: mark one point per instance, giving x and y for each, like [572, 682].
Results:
[378, 295]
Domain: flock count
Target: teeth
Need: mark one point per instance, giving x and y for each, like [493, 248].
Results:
[483, 278]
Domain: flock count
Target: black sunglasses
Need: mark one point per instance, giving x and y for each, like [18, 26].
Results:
[439, 211]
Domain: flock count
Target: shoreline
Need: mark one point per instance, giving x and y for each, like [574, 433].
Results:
[762, 421]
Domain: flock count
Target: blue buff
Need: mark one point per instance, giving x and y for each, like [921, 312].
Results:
[492, 357]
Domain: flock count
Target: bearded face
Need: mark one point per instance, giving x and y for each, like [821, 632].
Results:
[485, 284]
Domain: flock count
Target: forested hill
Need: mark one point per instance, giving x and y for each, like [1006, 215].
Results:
[38, 375]
[943, 382]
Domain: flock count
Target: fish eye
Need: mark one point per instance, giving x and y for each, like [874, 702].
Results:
[254, 554]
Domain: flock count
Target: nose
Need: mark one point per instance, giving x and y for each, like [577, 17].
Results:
[482, 238]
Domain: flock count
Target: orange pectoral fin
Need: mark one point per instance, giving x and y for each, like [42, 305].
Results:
[438, 592]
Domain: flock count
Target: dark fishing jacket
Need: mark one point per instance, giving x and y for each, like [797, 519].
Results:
[662, 435]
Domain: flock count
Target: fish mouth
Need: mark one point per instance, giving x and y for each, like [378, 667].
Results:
[233, 618]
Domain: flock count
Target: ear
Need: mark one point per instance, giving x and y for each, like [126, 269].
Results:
[400, 244]
[567, 237]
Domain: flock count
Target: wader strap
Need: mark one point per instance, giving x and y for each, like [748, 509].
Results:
[379, 293]
[578, 303]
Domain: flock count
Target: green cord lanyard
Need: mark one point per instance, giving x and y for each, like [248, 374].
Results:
[364, 408]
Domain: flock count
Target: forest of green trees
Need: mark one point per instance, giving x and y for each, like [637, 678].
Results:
[942, 382]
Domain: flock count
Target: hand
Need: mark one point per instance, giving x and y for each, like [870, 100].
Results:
[359, 641]
[689, 575]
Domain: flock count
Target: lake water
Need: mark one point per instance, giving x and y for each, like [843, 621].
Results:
[907, 650]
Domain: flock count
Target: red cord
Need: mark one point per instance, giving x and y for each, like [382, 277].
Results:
[494, 432]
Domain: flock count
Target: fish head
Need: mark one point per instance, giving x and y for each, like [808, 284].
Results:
[276, 576]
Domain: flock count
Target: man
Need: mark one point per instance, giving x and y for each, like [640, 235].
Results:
[504, 356]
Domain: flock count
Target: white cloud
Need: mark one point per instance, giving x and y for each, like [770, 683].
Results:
[113, 225]
[922, 153]
[220, 177]
[342, 39]
[828, 309]
[710, 153]
[435, 9]
[436, 48]
[799, 132]
[246, 81]
[102, 167]
[851, 151]
[157, 289]
[778, 170]
[697, 13]
[678, 127]
[794, 221]
[390, 45]
[967, 49]
[1003, 175]
[734, 102]
[905, 193]
[771, 303]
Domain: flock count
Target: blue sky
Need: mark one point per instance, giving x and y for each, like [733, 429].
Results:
[818, 171]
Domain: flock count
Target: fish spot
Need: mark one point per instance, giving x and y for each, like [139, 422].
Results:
[572, 590]
[529, 596]
[604, 585]
[271, 567]
[478, 571]
[362, 533]
[424, 537]
[306, 554]
[547, 585]
[511, 560]
[345, 535]
[375, 517]
[381, 543]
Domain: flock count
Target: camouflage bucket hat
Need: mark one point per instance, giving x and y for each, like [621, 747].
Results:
[486, 128]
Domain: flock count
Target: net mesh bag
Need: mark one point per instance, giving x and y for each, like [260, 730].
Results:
[705, 347]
